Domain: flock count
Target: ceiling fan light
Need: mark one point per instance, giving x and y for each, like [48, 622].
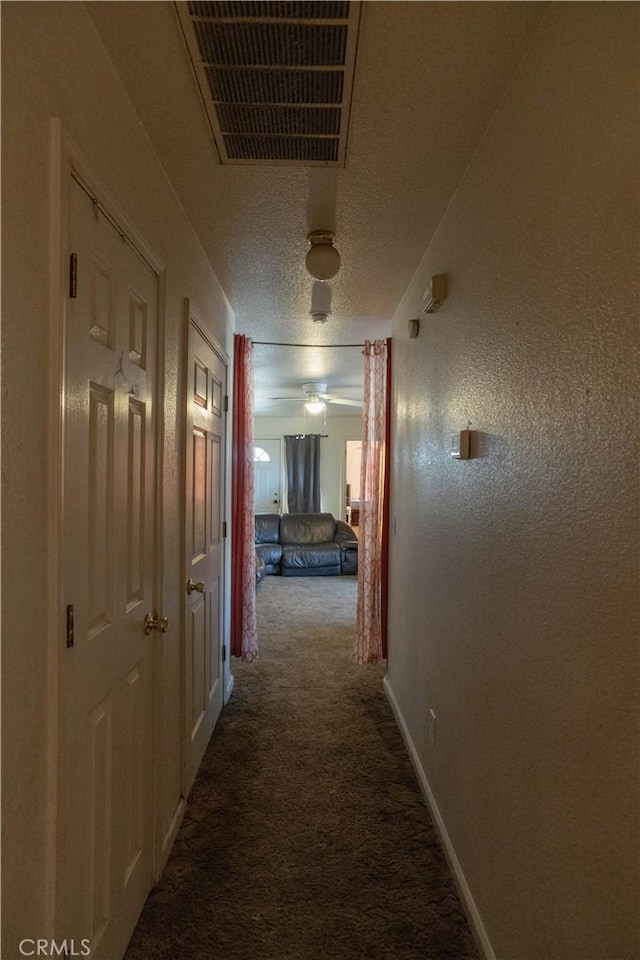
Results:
[322, 260]
[314, 406]
[319, 317]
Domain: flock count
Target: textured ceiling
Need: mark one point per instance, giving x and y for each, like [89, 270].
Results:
[429, 77]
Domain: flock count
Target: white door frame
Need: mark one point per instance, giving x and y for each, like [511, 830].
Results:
[345, 448]
[190, 318]
[67, 160]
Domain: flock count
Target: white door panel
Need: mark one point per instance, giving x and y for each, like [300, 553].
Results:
[204, 540]
[106, 696]
[268, 476]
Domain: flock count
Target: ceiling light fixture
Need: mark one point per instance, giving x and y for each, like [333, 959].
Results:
[314, 405]
[320, 302]
[323, 260]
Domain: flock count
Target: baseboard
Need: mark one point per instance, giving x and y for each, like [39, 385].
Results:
[171, 834]
[229, 688]
[464, 891]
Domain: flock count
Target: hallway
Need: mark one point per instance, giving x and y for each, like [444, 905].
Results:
[306, 836]
[494, 143]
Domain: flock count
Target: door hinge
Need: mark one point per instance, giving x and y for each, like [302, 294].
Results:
[70, 626]
[73, 276]
[224, 654]
[224, 529]
[226, 403]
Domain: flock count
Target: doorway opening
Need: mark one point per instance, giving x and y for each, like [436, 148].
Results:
[353, 461]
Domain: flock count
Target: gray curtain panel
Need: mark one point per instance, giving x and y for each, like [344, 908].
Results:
[303, 473]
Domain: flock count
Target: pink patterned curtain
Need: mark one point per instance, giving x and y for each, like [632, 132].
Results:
[244, 634]
[371, 627]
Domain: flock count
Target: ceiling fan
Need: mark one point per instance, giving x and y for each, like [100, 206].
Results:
[315, 397]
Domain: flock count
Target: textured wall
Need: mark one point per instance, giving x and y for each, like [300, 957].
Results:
[54, 65]
[514, 576]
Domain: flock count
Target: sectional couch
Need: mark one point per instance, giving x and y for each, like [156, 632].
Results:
[305, 545]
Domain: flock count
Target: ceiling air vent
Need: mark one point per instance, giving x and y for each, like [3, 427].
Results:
[275, 77]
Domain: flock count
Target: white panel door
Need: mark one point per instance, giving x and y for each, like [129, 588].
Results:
[204, 540]
[268, 476]
[105, 828]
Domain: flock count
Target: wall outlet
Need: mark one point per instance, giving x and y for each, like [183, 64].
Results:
[433, 727]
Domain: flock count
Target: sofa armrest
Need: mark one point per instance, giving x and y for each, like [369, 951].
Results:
[345, 534]
[349, 557]
[348, 542]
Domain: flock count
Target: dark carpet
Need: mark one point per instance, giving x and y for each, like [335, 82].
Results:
[305, 836]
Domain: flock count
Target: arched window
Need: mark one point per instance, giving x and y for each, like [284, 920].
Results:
[260, 455]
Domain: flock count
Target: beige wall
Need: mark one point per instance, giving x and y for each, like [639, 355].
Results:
[54, 65]
[332, 452]
[514, 576]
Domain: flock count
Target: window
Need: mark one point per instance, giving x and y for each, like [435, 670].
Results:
[260, 455]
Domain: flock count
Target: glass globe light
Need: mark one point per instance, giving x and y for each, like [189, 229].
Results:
[322, 260]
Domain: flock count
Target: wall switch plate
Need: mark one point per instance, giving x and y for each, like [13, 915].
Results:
[461, 445]
[433, 727]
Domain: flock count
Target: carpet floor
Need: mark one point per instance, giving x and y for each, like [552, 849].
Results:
[305, 836]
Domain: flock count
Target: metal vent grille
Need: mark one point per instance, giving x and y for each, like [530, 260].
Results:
[272, 9]
[275, 87]
[288, 121]
[275, 77]
[271, 44]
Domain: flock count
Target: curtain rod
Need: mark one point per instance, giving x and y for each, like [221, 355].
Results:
[98, 206]
[332, 346]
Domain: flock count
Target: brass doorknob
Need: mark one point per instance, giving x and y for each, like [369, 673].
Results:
[161, 624]
[196, 586]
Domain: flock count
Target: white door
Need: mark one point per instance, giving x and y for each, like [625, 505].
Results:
[267, 465]
[105, 828]
[204, 539]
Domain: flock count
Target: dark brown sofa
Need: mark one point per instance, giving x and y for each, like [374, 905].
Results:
[306, 545]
